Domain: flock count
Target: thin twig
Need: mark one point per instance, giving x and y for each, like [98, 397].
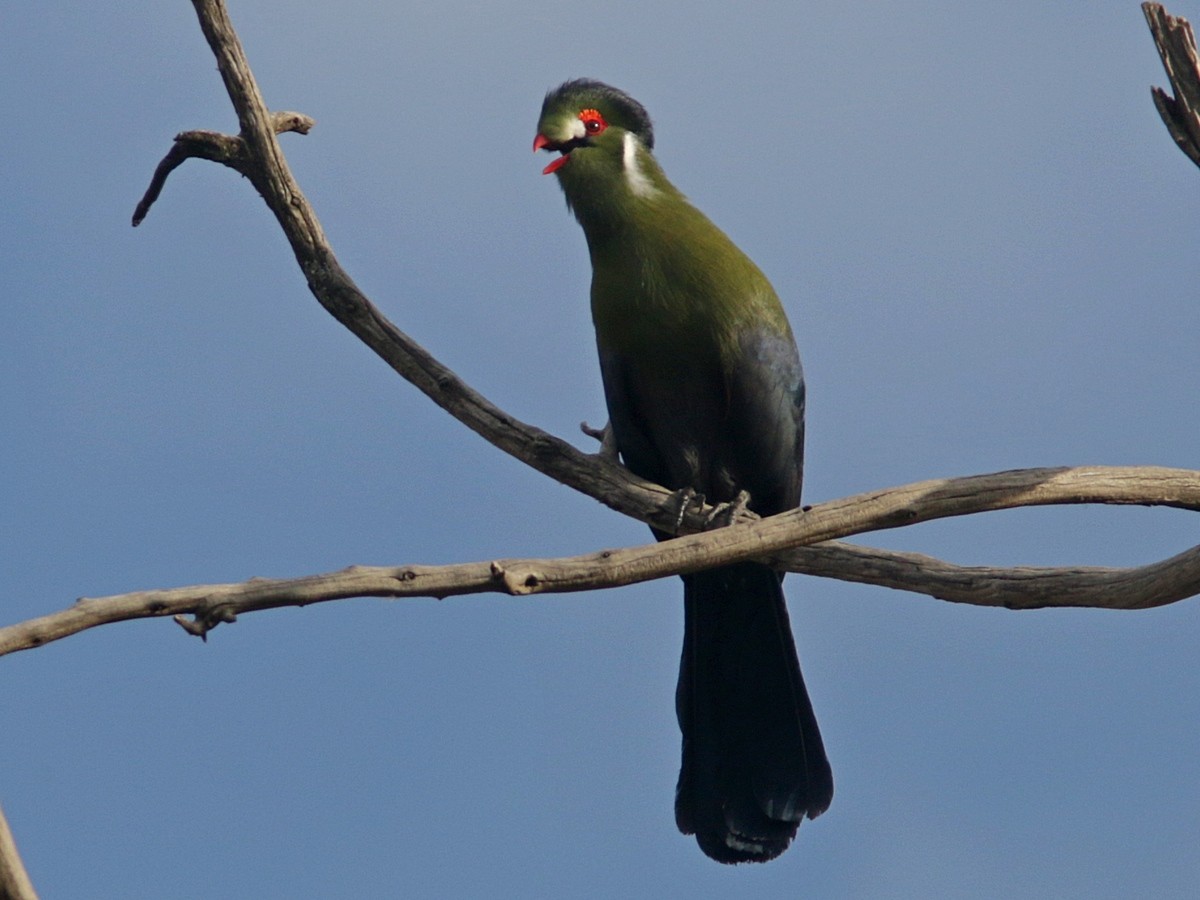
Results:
[215, 147]
[210, 145]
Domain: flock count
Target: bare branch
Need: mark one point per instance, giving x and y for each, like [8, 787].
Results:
[1177, 47]
[1024, 587]
[781, 539]
[215, 147]
[14, 880]
[261, 160]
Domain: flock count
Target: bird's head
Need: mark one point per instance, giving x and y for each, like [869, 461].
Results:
[595, 128]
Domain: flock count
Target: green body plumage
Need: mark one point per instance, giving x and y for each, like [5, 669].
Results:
[704, 391]
[659, 265]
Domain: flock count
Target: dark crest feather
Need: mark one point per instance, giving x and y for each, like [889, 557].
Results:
[617, 105]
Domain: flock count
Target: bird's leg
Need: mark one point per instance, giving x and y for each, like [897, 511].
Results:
[608, 443]
[724, 514]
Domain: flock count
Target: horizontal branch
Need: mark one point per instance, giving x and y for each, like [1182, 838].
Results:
[780, 539]
[1021, 587]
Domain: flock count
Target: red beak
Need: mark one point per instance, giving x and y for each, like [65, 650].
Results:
[541, 142]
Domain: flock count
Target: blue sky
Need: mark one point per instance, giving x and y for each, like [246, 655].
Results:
[987, 244]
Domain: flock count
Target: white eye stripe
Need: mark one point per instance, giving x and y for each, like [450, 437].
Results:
[576, 129]
[634, 176]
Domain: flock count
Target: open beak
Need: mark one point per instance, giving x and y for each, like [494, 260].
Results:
[541, 142]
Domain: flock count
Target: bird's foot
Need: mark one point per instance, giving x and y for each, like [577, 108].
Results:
[720, 516]
[678, 504]
[724, 514]
[608, 443]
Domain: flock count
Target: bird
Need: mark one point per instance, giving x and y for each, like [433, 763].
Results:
[705, 396]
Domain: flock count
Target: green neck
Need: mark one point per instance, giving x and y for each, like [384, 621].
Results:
[663, 275]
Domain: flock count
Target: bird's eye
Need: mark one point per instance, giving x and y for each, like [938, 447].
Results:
[593, 122]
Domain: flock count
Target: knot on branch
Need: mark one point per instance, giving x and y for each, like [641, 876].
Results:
[206, 618]
[518, 581]
[292, 121]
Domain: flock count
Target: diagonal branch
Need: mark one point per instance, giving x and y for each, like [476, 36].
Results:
[1177, 46]
[14, 880]
[261, 160]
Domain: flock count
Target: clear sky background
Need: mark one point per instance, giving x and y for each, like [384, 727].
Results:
[989, 248]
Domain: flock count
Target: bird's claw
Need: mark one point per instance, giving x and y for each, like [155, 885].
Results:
[678, 504]
[720, 516]
[725, 514]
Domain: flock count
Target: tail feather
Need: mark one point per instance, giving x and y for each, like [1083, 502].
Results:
[753, 765]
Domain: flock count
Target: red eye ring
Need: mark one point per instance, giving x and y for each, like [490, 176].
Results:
[593, 122]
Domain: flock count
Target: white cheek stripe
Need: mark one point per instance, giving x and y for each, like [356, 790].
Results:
[636, 178]
[576, 129]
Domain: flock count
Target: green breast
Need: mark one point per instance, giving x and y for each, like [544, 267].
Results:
[669, 281]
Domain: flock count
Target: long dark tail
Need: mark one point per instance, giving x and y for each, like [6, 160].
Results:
[753, 762]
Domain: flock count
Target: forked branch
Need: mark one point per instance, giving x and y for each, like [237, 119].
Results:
[783, 539]
[255, 153]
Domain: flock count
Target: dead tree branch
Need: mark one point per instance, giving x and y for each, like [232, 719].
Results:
[215, 147]
[782, 539]
[256, 154]
[14, 881]
[1177, 46]
[798, 541]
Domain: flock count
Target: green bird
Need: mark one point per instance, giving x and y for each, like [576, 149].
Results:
[705, 393]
